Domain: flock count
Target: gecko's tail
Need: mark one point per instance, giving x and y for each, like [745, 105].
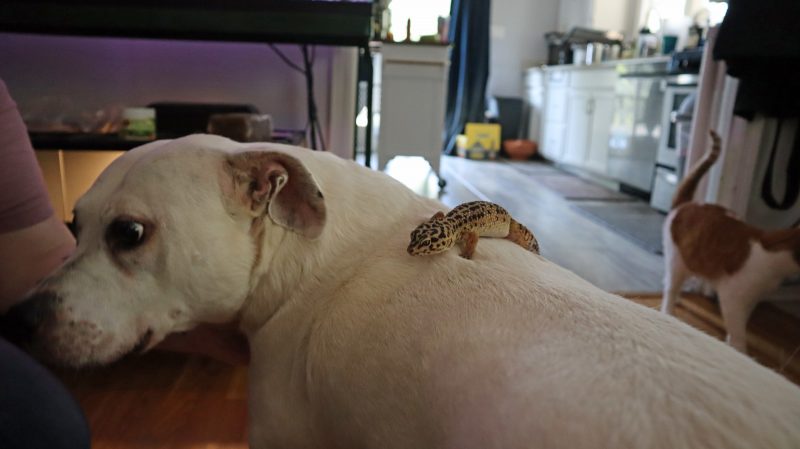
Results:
[520, 235]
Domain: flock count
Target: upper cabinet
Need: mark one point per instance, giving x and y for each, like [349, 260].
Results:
[607, 15]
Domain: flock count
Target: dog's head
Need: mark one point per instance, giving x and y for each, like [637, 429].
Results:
[168, 237]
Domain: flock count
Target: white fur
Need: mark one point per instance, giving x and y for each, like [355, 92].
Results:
[357, 344]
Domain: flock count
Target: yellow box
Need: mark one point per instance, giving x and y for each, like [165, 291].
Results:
[485, 136]
[480, 141]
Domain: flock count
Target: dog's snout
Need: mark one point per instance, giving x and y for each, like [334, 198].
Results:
[20, 323]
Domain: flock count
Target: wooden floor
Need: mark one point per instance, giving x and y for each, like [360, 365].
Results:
[164, 400]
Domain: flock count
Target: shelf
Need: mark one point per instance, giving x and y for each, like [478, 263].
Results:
[346, 23]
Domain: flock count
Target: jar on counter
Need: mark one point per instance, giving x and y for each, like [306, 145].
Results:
[579, 54]
[595, 52]
[138, 124]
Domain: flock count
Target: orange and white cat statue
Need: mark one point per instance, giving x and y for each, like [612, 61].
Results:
[741, 262]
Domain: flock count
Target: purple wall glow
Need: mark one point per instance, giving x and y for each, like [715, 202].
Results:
[79, 74]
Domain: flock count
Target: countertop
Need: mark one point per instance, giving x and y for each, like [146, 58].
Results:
[112, 142]
[606, 64]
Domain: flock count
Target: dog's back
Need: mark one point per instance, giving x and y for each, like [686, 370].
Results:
[510, 350]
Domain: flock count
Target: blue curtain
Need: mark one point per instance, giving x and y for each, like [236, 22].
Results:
[469, 67]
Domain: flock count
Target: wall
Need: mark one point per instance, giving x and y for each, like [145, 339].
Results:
[517, 41]
[78, 75]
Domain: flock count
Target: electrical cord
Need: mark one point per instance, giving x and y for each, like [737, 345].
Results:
[285, 58]
[313, 127]
[309, 72]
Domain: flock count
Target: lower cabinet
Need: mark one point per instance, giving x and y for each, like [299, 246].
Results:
[68, 174]
[410, 106]
[602, 111]
[579, 107]
[579, 124]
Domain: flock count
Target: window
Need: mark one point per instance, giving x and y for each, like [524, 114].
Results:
[424, 15]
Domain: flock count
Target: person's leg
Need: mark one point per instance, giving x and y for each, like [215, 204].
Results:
[36, 411]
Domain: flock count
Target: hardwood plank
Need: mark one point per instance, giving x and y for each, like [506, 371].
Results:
[163, 400]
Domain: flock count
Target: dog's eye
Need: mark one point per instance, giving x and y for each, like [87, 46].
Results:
[125, 234]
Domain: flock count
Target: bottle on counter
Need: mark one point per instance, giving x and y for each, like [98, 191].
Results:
[647, 44]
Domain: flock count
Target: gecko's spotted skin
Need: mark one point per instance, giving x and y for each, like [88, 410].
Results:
[465, 224]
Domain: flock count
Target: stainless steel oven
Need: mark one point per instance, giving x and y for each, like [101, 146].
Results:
[636, 129]
[676, 120]
[674, 95]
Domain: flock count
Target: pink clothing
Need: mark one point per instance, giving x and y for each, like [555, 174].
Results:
[23, 196]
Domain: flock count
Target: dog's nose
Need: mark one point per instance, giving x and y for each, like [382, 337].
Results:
[20, 323]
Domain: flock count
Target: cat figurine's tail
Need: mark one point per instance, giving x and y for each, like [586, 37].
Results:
[688, 185]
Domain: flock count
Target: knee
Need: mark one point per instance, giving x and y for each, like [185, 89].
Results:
[36, 411]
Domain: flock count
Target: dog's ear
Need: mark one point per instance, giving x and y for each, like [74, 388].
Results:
[280, 186]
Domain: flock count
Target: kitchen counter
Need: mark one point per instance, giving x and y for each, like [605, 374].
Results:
[72, 141]
[112, 142]
[607, 64]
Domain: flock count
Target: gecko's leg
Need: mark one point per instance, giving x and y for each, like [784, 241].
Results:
[520, 235]
[470, 240]
[437, 216]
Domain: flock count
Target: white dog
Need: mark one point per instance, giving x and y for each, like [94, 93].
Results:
[356, 344]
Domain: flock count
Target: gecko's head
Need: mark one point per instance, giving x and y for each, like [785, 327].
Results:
[430, 237]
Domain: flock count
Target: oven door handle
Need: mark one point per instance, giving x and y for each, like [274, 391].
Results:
[673, 116]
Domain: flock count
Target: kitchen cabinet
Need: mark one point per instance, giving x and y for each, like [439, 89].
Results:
[554, 114]
[602, 110]
[579, 117]
[534, 98]
[411, 86]
[69, 174]
[579, 104]
[589, 120]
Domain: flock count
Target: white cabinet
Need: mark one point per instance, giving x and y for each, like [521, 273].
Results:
[554, 114]
[579, 121]
[534, 98]
[411, 102]
[588, 122]
[579, 107]
[602, 112]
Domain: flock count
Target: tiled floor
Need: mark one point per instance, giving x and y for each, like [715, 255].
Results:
[569, 238]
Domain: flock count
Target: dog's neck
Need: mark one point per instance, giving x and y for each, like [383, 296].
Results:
[295, 269]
